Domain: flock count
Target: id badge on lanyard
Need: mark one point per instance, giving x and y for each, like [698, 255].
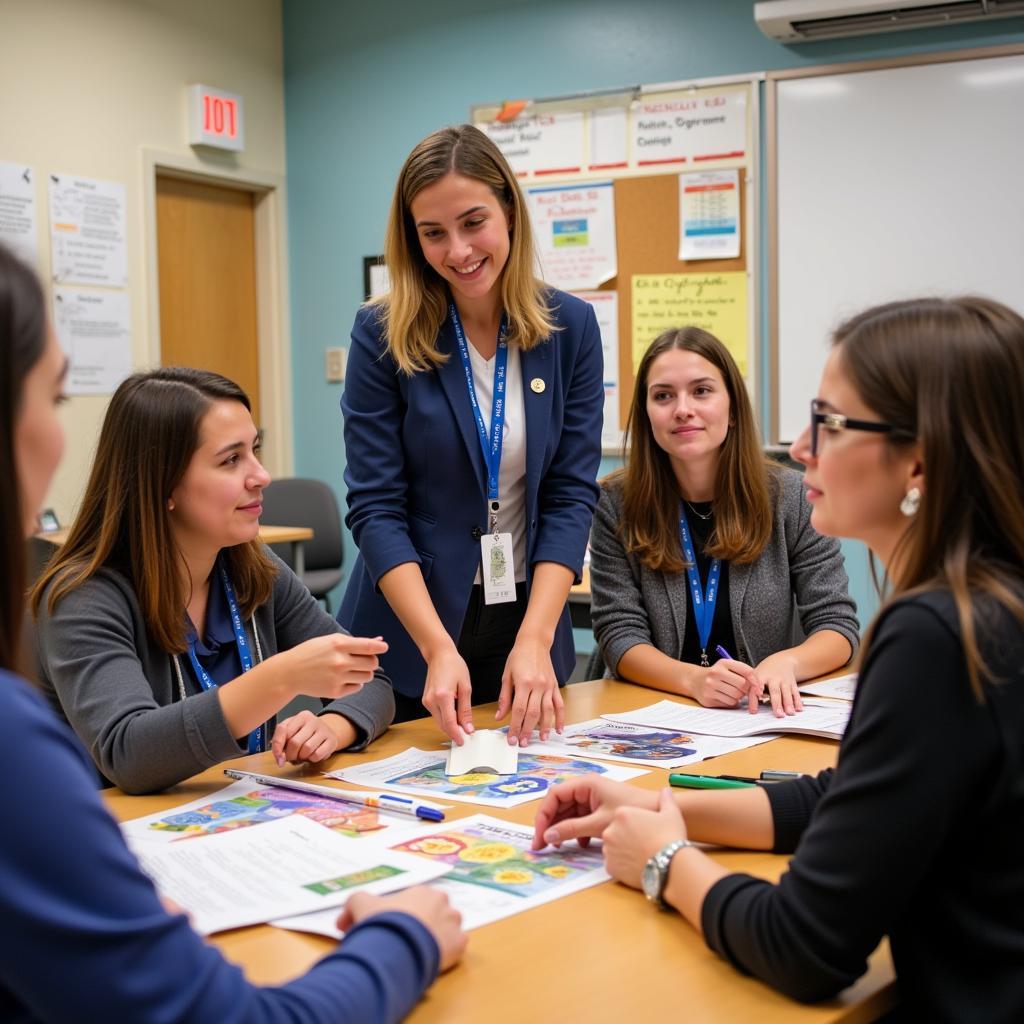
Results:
[257, 737]
[703, 601]
[497, 565]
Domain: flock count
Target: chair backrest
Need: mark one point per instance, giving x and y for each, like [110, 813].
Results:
[297, 501]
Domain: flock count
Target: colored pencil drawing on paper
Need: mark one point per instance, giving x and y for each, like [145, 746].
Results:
[496, 858]
[262, 805]
[537, 772]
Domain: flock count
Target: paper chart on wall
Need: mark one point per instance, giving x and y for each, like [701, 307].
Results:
[709, 215]
[18, 230]
[823, 718]
[422, 771]
[839, 687]
[606, 309]
[87, 228]
[289, 866]
[715, 302]
[639, 744]
[245, 804]
[492, 872]
[574, 233]
[94, 330]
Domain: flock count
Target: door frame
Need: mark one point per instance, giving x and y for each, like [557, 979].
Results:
[272, 307]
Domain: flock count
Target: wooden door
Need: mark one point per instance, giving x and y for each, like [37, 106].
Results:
[207, 270]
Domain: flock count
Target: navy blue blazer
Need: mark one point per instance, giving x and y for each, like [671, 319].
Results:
[416, 479]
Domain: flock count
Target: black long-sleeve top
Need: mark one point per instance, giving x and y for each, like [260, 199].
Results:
[917, 834]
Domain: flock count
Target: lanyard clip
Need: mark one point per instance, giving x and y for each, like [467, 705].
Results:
[493, 507]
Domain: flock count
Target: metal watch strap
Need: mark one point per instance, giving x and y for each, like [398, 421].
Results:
[663, 861]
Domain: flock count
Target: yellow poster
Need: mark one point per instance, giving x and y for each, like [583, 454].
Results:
[716, 302]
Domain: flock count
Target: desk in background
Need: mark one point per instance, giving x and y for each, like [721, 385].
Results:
[294, 535]
[604, 954]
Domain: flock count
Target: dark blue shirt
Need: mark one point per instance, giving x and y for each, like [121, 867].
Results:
[216, 649]
[84, 936]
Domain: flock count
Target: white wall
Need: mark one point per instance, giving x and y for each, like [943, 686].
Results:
[86, 85]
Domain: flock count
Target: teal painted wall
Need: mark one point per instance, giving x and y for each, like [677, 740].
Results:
[365, 82]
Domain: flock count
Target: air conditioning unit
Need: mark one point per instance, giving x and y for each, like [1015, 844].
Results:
[803, 21]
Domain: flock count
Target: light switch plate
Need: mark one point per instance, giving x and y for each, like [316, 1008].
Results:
[334, 365]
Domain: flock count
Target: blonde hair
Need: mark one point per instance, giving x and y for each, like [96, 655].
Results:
[414, 309]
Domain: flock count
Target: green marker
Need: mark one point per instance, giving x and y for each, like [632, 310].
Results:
[706, 782]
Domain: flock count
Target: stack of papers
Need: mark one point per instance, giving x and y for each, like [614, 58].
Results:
[827, 719]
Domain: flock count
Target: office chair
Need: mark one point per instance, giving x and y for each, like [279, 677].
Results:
[297, 501]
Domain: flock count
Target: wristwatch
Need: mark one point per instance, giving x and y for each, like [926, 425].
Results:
[655, 876]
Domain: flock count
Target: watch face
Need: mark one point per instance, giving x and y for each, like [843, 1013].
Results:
[652, 880]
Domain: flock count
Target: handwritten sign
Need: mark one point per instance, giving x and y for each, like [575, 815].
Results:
[689, 127]
[716, 302]
[545, 144]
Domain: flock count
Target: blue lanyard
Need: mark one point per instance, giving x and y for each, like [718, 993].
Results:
[244, 655]
[703, 602]
[490, 442]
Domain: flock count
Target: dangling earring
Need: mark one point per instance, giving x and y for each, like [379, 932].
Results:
[911, 502]
[170, 504]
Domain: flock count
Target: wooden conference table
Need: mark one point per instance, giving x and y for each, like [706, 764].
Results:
[604, 954]
[294, 535]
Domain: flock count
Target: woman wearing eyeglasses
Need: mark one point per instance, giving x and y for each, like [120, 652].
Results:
[707, 578]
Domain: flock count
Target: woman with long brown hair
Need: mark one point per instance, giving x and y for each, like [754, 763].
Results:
[707, 578]
[169, 636]
[84, 934]
[913, 448]
[473, 406]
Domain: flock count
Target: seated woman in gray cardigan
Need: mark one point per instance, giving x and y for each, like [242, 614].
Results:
[699, 519]
[168, 636]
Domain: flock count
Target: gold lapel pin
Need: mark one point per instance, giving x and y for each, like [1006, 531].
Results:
[537, 385]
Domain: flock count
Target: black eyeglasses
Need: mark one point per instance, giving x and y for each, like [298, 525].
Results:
[834, 422]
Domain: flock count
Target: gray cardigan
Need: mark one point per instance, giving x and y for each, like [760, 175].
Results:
[106, 676]
[796, 586]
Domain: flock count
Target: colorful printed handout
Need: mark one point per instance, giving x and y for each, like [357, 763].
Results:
[492, 873]
[422, 771]
[288, 866]
[243, 804]
[638, 744]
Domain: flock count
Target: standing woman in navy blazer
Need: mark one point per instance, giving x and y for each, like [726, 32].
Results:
[465, 316]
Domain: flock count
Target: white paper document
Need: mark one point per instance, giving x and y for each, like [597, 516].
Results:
[290, 866]
[245, 804]
[18, 229]
[640, 744]
[709, 215]
[94, 330]
[486, 750]
[606, 309]
[840, 687]
[422, 771]
[492, 873]
[827, 719]
[542, 144]
[574, 229]
[87, 229]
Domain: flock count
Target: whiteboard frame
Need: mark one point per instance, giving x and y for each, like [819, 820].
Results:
[772, 171]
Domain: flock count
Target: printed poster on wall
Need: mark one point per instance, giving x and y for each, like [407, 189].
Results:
[606, 308]
[87, 229]
[716, 302]
[609, 138]
[689, 127]
[545, 144]
[575, 234]
[94, 329]
[709, 215]
[18, 211]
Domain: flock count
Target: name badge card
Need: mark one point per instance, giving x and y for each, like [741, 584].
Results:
[498, 570]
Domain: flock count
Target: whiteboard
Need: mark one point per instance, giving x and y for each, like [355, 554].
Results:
[892, 183]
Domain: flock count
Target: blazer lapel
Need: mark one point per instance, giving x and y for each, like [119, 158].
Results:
[536, 366]
[453, 382]
[739, 577]
[676, 591]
